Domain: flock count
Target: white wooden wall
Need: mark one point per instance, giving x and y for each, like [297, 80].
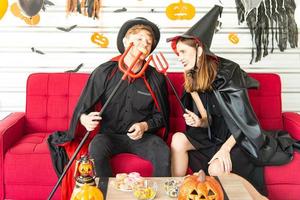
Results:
[66, 50]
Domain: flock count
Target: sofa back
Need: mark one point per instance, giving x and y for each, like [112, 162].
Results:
[51, 98]
[266, 101]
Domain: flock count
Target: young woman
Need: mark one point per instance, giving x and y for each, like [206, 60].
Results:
[223, 134]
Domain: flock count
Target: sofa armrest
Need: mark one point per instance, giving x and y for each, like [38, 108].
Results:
[11, 130]
[291, 123]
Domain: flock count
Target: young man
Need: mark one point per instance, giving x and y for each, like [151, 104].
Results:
[129, 123]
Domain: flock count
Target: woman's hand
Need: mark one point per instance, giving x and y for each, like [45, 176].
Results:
[191, 119]
[224, 157]
[90, 121]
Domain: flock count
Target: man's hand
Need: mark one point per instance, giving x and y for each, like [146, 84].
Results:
[136, 131]
[90, 121]
[191, 119]
[224, 157]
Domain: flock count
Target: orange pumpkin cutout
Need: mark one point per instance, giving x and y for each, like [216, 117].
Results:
[88, 192]
[180, 11]
[233, 38]
[100, 40]
[200, 187]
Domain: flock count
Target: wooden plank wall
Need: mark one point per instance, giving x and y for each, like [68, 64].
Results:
[66, 50]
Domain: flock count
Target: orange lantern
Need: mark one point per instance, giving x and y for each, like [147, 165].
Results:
[100, 40]
[180, 11]
[202, 187]
[233, 38]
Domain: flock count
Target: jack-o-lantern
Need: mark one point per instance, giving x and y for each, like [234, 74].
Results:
[233, 38]
[180, 11]
[85, 168]
[100, 40]
[88, 192]
[200, 187]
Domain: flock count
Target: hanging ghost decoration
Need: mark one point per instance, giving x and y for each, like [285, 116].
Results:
[31, 7]
[272, 20]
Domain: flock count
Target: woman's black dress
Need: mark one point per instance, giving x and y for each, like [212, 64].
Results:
[206, 147]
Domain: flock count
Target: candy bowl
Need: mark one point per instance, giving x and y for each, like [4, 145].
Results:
[144, 189]
[171, 187]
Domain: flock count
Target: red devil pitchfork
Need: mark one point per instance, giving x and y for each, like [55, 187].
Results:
[127, 72]
[162, 68]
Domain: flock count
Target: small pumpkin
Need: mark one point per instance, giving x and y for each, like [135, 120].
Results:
[3, 7]
[200, 187]
[100, 40]
[88, 192]
[233, 38]
[180, 11]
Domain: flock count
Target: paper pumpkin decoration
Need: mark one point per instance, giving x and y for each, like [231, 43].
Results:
[88, 192]
[233, 38]
[31, 7]
[180, 11]
[16, 11]
[3, 7]
[200, 187]
[100, 40]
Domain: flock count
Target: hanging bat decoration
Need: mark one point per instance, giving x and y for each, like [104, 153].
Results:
[66, 29]
[120, 10]
[37, 51]
[88, 8]
[76, 69]
[47, 3]
[271, 19]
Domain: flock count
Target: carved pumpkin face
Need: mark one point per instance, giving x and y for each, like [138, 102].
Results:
[88, 192]
[85, 168]
[200, 188]
[100, 40]
[180, 11]
[233, 38]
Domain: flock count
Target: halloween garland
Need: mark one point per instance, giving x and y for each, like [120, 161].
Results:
[88, 8]
[272, 18]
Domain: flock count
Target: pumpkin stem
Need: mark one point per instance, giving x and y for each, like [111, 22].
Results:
[201, 176]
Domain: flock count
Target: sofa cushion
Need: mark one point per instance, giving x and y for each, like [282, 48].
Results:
[29, 162]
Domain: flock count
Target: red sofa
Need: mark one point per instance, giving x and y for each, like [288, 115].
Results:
[25, 165]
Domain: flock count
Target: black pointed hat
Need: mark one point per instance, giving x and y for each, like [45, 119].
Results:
[203, 31]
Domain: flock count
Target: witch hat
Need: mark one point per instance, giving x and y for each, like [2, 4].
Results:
[203, 31]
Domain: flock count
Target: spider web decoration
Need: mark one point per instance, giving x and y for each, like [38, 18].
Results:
[271, 18]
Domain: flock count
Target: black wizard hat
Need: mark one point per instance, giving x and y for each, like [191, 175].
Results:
[203, 31]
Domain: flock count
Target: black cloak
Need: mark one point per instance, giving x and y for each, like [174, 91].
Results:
[90, 97]
[230, 88]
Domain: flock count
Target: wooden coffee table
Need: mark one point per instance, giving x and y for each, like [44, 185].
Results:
[234, 189]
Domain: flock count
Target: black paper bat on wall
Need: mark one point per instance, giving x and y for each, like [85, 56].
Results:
[271, 18]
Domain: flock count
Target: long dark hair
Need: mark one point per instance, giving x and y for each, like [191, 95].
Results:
[201, 78]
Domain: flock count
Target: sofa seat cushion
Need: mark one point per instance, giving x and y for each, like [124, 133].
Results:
[28, 162]
[284, 174]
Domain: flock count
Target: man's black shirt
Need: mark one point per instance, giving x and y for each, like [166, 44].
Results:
[132, 103]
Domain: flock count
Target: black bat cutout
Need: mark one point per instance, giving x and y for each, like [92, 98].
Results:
[76, 69]
[66, 29]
